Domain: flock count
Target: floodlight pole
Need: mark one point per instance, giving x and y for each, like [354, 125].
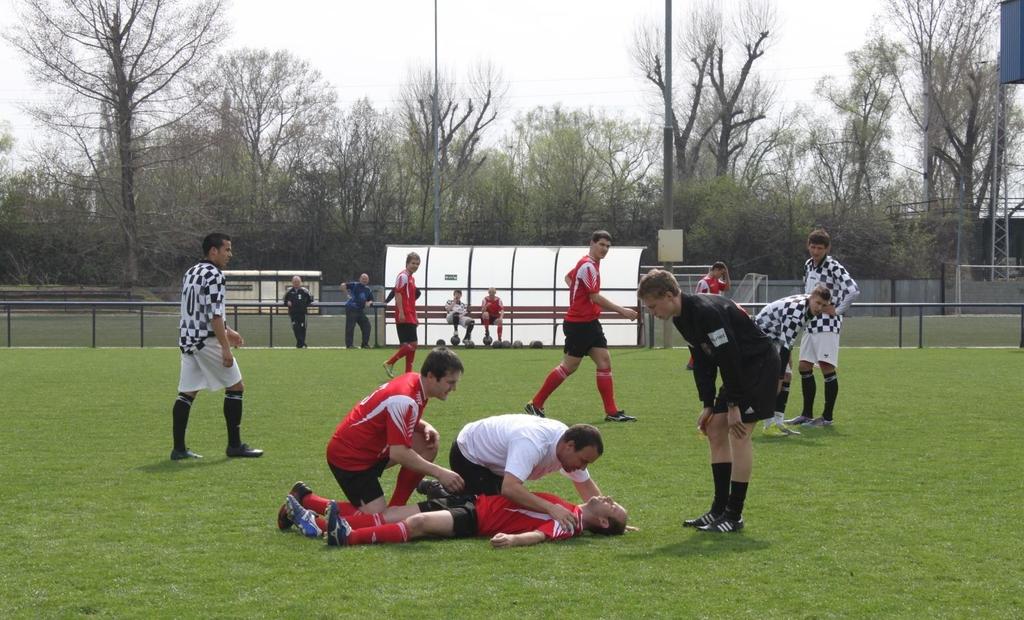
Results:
[437, 154]
[669, 125]
[667, 173]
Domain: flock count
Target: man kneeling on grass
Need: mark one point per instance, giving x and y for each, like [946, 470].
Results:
[507, 524]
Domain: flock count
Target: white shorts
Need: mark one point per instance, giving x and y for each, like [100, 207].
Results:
[820, 347]
[204, 369]
[464, 319]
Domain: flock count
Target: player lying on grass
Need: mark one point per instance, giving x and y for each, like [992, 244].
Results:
[494, 516]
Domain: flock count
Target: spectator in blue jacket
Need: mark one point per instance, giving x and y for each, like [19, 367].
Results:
[359, 297]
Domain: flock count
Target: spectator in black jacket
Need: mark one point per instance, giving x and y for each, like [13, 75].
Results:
[298, 298]
[723, 339]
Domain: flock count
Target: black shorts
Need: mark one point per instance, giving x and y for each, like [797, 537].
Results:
[360, 487]
[761, 376]
[479, 480]
[580, 338]
[463, 509]
[407, 332]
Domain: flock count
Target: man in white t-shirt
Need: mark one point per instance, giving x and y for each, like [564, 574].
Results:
[497, 455]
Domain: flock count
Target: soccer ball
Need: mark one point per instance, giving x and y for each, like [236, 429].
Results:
[488, 340]
[505, 344]
[440, 342]
[536, 344]
[518, 344]
[469, 344]
[496, 345]
[455, 340]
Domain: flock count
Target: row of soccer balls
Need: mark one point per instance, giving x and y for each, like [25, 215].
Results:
[490, 342]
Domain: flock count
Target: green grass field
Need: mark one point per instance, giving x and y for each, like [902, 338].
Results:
[159, 329]
[908, 507]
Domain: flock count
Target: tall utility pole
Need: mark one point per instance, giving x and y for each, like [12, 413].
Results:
[926, 147]
[437, 152]
[669, 125]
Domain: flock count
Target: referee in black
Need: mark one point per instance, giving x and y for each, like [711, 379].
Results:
[724, 341]
[298, 298]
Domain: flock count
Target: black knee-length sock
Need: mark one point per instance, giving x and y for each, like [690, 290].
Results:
[179, 415]
[809, 388]
[831, 392]
[233, 417]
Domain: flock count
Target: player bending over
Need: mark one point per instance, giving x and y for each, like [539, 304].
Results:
[781, 321]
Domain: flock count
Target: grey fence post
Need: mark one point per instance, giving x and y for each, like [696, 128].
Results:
[920, 327]
[899, 331]
[270, 311]
[94, 326]
[142, 327]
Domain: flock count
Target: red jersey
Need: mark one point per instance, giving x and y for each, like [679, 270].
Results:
[712, 285]
[385, 418]
[584, 279]
[492, 306]
[496, 514]
[406, 285]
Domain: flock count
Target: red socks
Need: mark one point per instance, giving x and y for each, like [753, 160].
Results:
[604, 386]
[404, 486]
[318, 504]
[391, 533]
[551, 383]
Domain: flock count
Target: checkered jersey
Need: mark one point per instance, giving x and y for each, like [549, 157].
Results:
[844, 290]
[202, 298]
[456, 306]
[783, 319]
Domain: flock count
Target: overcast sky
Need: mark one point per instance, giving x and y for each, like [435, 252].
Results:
[573, 52]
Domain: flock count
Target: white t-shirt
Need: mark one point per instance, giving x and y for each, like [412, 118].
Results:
[516, 443]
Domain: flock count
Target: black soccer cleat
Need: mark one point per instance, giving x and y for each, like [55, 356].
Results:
[707, 518]
[181, 455]
[433, 489]
[299, 490]
[723, 524]
[537, 411]
[619, 416]
[243, 451]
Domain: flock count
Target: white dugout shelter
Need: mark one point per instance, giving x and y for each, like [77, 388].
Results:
[529, 278]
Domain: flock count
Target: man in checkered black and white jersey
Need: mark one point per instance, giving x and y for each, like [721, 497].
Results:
[205, 342]
[820, 344]
[781, 321]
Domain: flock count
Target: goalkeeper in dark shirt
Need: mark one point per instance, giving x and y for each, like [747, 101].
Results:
[724, 340]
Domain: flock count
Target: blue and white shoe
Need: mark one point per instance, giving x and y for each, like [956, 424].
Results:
[303, 519]
[338, 528]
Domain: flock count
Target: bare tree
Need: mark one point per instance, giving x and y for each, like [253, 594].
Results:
[690, 130]
[718, 97]
[742, 98]
[278, 105]
[950, 49]
[122, 67]
[464, 116]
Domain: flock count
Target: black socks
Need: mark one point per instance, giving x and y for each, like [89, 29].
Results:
[179, 414]
[233, 417]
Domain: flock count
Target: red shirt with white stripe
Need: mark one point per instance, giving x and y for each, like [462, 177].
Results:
[496, 514]
[385, 418]
[584, 279]
[406, 285]
[711, 285]
[492, 306]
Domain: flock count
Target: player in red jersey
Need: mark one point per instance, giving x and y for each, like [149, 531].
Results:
[405, 315]
[583, 333]
[715, 283]
[492, 311]
[384, 429]
[494, 516]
